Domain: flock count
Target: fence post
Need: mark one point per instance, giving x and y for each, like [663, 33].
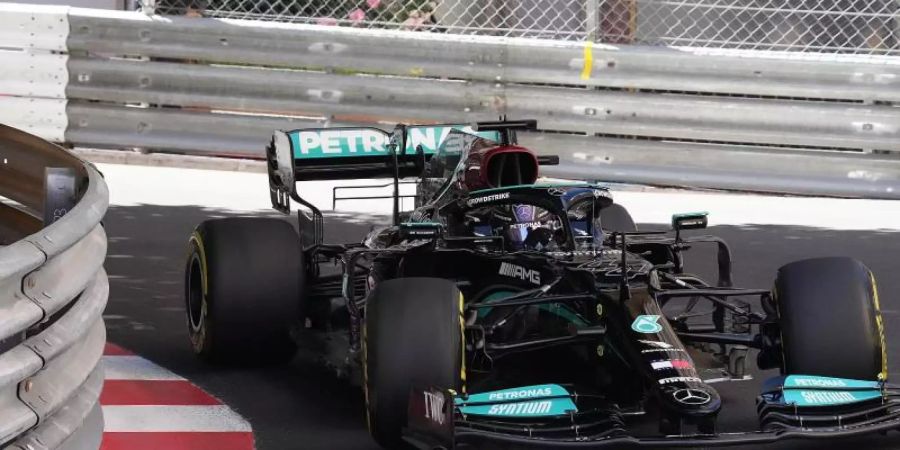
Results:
[592, 19]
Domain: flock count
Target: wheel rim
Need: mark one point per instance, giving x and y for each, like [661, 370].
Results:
[195, 293]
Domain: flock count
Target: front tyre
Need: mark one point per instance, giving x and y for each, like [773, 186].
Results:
[829, 319]
[243, 281]
[412, 337]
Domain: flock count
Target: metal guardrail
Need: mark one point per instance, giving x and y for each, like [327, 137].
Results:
[786, 122]
[53, 290]
[571, 109]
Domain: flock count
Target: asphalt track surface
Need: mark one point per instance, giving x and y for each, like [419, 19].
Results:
[303, 407]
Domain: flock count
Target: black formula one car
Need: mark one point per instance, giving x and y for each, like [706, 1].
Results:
[502, 312]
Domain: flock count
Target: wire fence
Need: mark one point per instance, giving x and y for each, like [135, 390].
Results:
[830, 26]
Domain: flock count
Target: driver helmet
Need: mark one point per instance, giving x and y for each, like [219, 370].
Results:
[529, 228]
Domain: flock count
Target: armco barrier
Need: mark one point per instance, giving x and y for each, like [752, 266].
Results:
[53, 290]
[786, 122]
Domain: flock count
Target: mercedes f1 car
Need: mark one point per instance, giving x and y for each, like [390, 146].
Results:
[507, 311]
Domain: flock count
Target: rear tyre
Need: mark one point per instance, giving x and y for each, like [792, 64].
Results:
[829, 319]
[412, 337]
[243, 282]
[615, 218]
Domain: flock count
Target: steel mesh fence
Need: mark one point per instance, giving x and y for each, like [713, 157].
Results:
[844, 26]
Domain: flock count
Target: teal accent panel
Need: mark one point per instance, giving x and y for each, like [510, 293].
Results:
[530, 408]
[519, 393]
[816, 382]
[647, 324]
[346, 142]
[495, 297]
[809, 397]
[529, 401]
[558, 309]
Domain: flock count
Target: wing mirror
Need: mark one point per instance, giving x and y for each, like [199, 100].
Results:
[689, 221]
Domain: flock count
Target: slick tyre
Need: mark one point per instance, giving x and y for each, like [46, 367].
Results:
[616, 218]
[243, 281]
[830, 321]
[412, 337]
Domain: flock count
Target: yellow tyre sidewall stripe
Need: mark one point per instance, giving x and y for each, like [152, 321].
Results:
[200, 341]
[880, 324]
[196, 238]
[462, 340]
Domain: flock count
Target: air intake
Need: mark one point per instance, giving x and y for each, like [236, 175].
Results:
[509, 166]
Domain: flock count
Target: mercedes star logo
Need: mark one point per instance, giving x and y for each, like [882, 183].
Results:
[694, 397]
[556, 191]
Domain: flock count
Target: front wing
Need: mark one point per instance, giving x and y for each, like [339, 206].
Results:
[436, 421]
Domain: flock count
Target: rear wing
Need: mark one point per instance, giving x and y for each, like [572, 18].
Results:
[351, 153]
[345, 153]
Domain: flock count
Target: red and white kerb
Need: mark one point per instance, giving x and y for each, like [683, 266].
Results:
[146, 407]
